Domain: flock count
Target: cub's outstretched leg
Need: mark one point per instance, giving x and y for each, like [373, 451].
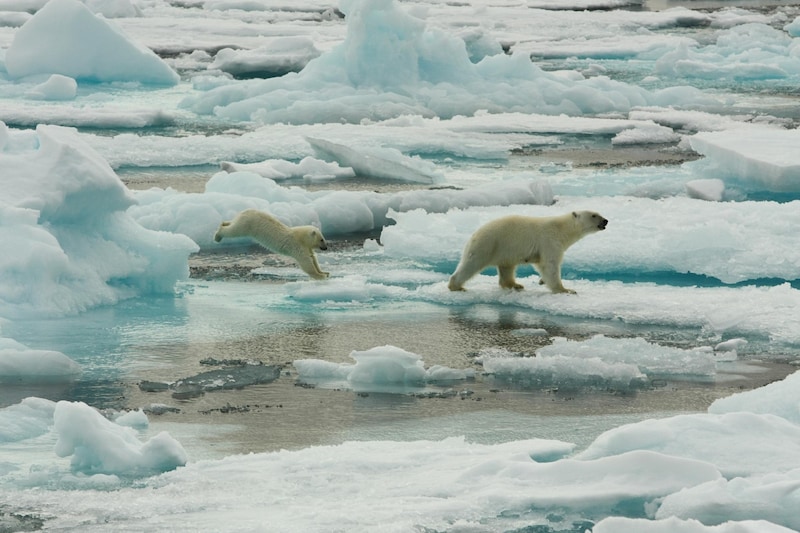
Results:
[310, 266]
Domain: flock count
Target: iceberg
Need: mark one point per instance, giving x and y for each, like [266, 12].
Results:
[65, 37]
[67, 242]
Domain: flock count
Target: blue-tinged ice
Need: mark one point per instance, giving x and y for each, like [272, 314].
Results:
[99, 446]
[68, 243]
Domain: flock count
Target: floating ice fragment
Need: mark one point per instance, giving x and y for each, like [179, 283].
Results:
[99, 446]
[20, 364]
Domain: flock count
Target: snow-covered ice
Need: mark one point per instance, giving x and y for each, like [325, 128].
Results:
[661, 397]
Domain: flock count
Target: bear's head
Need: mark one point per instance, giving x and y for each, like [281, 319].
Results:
[313, 238]
[590, 221]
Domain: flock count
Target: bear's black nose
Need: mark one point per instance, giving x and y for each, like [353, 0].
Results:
[603, 224]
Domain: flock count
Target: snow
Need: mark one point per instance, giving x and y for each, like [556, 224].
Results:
[398, 129]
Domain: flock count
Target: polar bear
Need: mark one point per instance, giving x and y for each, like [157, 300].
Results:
[297, 242]
[508, 241]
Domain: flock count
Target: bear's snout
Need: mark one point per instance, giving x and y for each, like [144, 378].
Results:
[323, 246]
[603, 223]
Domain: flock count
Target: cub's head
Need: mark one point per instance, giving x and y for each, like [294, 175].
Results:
[313, 238]
[590, 221]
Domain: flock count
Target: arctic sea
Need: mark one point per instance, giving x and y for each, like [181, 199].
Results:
[153, 379]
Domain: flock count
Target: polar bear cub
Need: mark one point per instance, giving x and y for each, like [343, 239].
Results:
[297, 242]
[508, 241]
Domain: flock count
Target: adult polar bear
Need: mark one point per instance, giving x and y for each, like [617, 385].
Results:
[508, 241]
[298, 242]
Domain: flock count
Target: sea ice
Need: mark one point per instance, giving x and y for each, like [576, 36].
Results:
[65, 37]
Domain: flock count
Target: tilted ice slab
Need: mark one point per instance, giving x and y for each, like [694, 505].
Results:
[755, 158]
[732, 242]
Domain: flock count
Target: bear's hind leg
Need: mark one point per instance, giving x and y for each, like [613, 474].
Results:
[508, 277]
[467, 268]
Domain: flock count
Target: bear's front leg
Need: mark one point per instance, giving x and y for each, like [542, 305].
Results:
[508, 277]
[317, 267]
[550, 273]
[308, 263]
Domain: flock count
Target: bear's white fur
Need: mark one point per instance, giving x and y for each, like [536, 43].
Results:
[298, 242]
[508, 241]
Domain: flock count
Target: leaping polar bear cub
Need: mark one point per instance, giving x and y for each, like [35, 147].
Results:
[298, 242]
[508, 241]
